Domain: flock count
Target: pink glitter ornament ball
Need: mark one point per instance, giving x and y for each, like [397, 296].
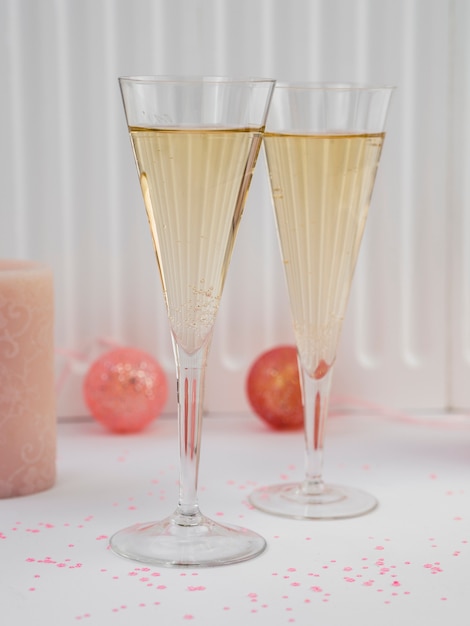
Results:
[125, 389]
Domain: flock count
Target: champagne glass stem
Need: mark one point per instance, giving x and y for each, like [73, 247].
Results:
[316, 393]
[190, 370]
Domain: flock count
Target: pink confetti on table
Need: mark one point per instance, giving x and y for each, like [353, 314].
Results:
[434, 568]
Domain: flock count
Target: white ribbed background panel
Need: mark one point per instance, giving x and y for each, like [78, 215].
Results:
[459, 213]
[69, 192]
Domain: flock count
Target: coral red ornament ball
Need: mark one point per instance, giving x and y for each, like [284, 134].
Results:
[125, 389]
[273, 388]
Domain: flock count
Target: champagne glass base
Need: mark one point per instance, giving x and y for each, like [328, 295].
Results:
[333, 502]
[180, 541]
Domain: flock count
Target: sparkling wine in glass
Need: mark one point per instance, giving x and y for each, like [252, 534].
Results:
[195, 142]
[323, 144]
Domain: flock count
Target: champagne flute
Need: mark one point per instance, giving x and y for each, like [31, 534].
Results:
[323, 144]
[195, 142]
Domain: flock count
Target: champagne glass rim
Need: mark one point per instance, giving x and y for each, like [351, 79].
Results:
[332, 86]
[195, 79]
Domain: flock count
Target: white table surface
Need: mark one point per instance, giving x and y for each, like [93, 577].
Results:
[408, 562]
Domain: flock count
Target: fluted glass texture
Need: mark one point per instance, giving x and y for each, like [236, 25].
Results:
[321, 187]
[194, 184]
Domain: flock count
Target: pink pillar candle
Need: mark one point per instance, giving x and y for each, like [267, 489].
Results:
[27, 397]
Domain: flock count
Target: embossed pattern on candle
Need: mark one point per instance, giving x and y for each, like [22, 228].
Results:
[27, 402]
